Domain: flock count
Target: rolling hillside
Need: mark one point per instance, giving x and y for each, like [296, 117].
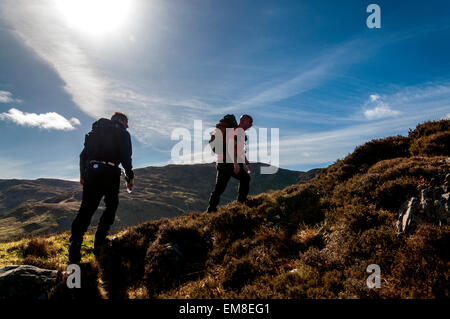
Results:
[45, 206]
[386, 203]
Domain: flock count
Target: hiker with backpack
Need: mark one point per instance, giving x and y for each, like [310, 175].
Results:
[228, 142]
[105, 147]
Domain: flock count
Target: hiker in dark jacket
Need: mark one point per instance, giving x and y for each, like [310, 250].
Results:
[230, 163]
[105, 147]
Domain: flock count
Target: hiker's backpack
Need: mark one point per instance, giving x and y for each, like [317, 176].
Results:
[228, 121]
[101, 142]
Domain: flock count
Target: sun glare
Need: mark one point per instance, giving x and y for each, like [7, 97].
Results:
[94, 17]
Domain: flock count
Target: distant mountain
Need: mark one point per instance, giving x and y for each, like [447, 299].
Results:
[44, 206]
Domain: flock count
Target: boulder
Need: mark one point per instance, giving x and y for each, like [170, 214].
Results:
[433, 207]
[26, 282]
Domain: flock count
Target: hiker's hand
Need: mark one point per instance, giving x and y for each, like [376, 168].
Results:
[236, 168]
[81, 181]
[130, 184]
[249, 169]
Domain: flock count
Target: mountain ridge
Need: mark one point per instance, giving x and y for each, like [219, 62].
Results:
[164, 191]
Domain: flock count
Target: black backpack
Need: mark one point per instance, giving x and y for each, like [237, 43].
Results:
[228, 121]
[101, 142]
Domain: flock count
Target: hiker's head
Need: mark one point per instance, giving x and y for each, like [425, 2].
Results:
[246, 121]
[121, 118]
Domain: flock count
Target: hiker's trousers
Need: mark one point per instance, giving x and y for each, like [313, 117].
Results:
[101, 180]
[224, 172]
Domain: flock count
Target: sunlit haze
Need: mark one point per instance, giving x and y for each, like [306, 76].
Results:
[94, 17]
[312, 69]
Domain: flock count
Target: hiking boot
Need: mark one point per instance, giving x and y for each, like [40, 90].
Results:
[74, 252]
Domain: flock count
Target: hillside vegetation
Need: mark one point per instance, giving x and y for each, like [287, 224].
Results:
[313, 239]
[48, 206]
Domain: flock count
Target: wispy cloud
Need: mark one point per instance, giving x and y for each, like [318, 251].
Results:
[311, 75]
[39, 26]
[7, 97]
[418, 104]
[48, 121]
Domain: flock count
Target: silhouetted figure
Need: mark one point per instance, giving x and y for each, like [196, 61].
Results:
[231, 158]
[105, 147]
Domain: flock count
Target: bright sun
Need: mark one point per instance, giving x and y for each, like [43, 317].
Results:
[94, 17]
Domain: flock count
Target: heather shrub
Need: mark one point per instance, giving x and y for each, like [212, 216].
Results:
[392, 194]
[298, 283]
[430, 139]
[301, 207]
[309, 237]
[235, 222]
[89, 285]
[372, 152]
[239, 272]
[378, 150]
[37, 247]
[178, 255]
[435, 144]
[126, 255]
[359, 218]
[421, 268]
[373, 243]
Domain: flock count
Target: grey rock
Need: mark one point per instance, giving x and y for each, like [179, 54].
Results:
[26, 282]
[407, 219]
[433, 207]
[426, 202]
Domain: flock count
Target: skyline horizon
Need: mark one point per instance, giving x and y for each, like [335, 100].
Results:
[314, 70]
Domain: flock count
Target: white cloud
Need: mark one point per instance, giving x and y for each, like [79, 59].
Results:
[374, 97]
[379, 112]
[447, 117]
[6, 97]
[74, 121]
[49, 121]
[378, 109]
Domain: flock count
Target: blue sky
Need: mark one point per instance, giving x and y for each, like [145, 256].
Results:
[310, 68]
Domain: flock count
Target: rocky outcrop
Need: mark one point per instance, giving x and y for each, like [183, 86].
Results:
[432, 206]
[26, 282]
